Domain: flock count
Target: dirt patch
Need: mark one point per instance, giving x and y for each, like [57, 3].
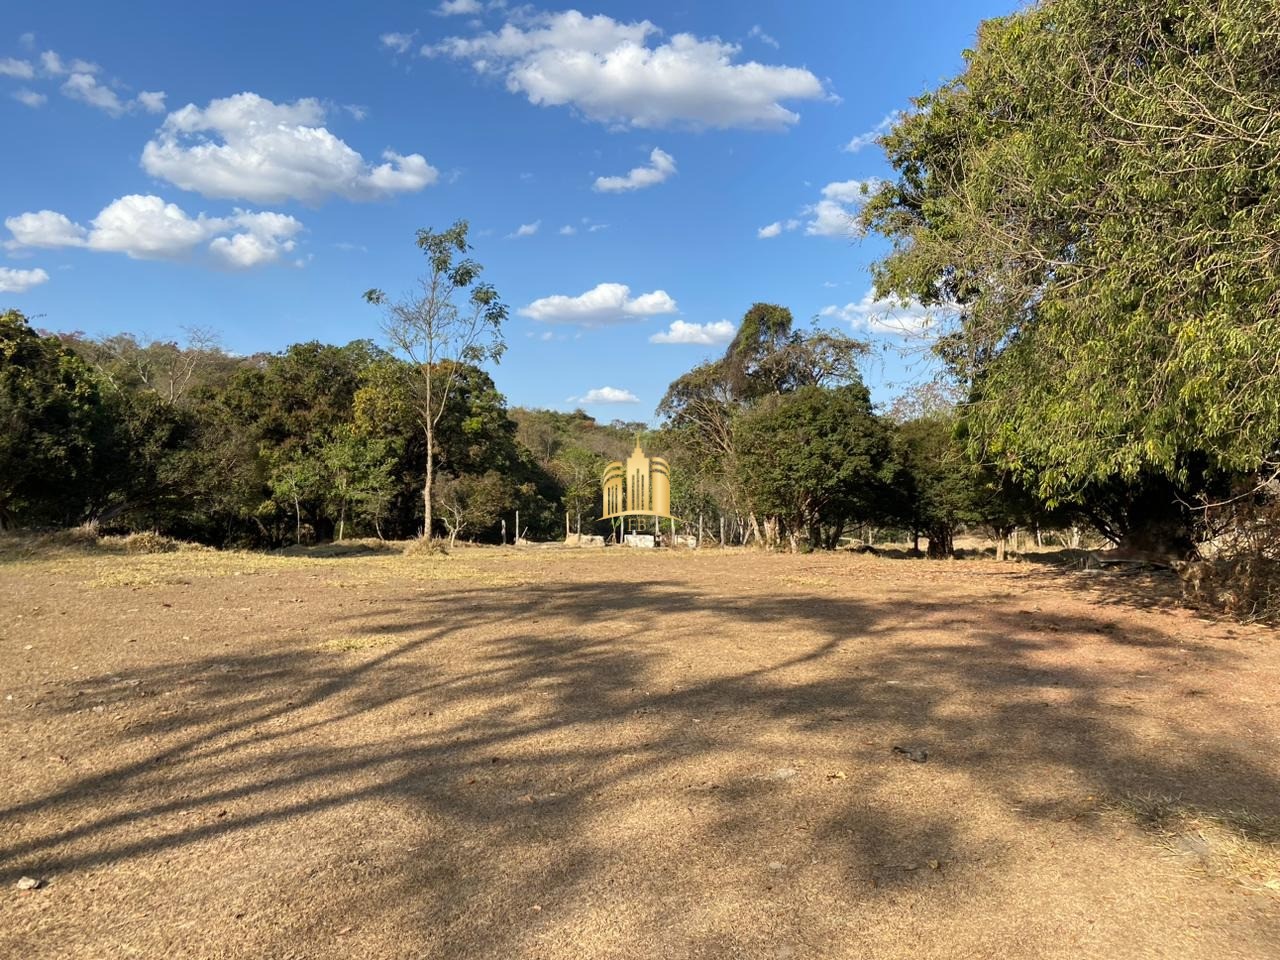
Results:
[555, 754]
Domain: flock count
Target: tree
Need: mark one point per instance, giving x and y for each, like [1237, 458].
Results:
[439, 331]
[815, 459]
[1095, 203]
[941, 493]
[473, 501]
[579, 471]
[52, 427]
[293, 479]
[357, 473]
[766, 358]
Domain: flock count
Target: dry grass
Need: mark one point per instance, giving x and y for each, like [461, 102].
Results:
[520, 753]
[364, 641]
[1236, 845]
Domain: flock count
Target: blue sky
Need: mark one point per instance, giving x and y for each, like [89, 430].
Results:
[636, 174]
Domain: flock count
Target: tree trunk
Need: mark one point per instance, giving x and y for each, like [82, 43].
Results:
[426, 486]
[297, 512]
[941, 542]
[342, 520]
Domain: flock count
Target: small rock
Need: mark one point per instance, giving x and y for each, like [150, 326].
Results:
[29, 883]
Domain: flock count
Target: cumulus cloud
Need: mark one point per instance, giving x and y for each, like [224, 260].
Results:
[20, 281]
[30, 98]
[568, 230]
[834, 214]
[148, 228]
[45, 228]
[453, 8]
[871, 136]
[525, 230]
[85, 88]
[247, 147]
[606, 395]
[604, 304]
[22, 69]
[884, 315]
[618, 73]
[661, 166]
[776, 228]
[699, 334]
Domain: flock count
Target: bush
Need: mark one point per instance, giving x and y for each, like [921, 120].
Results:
[149, 542]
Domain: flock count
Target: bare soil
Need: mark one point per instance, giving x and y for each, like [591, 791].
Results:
[606, 753]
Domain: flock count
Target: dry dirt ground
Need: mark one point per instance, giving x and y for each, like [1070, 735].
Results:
[591, 754]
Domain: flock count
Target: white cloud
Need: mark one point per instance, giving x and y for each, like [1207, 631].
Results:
[609, 72]
[147, 228]
[451, 8]
[776, 228]
[22, 69]
[399, 42]
[45, 228]
[834, 214]
[525, 230]
[30, 98]
[568, 230]
[606, 395]
[884, 315]
[20, 281]
[758, 32]
[151, 101]
[871, 136]
[700, 334]
[85, 88]
[661, 166]
[55, 66]
[28, 40]
[604, 304]
[263, 239]
[247, 147]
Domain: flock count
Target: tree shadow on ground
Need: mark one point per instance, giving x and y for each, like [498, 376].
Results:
[534, 743]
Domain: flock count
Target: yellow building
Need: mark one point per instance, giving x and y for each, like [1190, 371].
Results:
[639, 488]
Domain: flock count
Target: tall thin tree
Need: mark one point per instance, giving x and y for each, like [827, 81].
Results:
[451, 318]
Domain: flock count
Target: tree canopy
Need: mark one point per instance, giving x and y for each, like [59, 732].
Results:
[1095, 201]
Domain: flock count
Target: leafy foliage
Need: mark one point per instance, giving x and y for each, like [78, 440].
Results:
[1097, 200]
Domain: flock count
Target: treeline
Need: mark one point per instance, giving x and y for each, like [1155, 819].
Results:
[318, 442]
[776, 443]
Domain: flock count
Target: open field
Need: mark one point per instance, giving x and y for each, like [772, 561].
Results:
[569, 754]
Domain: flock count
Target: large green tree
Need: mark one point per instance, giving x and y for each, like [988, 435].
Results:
[815, 459]
[1095, 203]
[52, 427]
